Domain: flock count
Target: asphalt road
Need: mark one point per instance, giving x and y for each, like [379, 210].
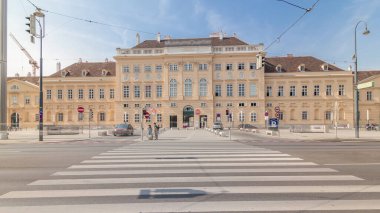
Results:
[190, 171]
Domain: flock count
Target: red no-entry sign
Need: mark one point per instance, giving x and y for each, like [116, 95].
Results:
[80, 109]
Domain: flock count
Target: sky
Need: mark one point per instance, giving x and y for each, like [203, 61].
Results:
[327, 32]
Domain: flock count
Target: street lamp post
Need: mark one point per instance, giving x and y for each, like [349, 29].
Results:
[356, 94]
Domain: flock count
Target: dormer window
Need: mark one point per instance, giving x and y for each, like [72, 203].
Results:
[105, 72]
[301, 68]
[65, 73]
[85, 73]
[279, 68]
[14, 87]
[325, 67]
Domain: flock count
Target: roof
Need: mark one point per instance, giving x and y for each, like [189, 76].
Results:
[362, 75]
[94, 69]
[213, 41]
[33, 80]
[291, 63]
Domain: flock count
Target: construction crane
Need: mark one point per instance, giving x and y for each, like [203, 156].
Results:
[31, 60]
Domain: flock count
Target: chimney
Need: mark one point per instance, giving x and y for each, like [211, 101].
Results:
[106, 60]
[137, 38]
[167, 37]
[29, 74]
[349, 68]
[58, 66]
[80, 60]
[235, 35]
[220, 35]
[17, 75]
[289, 55]
[159, 37]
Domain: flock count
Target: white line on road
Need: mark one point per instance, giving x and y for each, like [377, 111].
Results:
[181, 165]
[193, 171]
[195, 179]
[202, 156]
[215, 206]
[184, 153]
[189, 160]
[191, 191]
[351, 164]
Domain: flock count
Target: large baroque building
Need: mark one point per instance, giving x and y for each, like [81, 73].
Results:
[192, 83]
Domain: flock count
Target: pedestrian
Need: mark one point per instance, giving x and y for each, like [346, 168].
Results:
[156, 130]
[150, 132]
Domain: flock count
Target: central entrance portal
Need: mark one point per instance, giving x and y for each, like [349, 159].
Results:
[15, 120]
[188, 116]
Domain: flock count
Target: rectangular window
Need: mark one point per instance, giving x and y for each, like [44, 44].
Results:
[159, 91]
[328, 90]
[69, 94]
[137, 105]
[136, 68]
[137, 91]
[159, 117]
[253, 117]
[304, 90]
[80, 94]
[269, 91]
[126, 117]
[369, 95]
[126, 91]
[101, 93]
[229, 105]
[241, 104]
[218, 105]
[159, 105]
[280, 91]
[188, 67]
[252, 89]
[218, 90]
[292, 91]
[218, 67]
[112, 93]
[173, 104]
[147, 68]
[173, 67]
[36, 117]
[203, 104]
[316, 90]
[27, 100]
[137, 118]
[304, 115]
[48, 94]
[91, 93]
[228, 66]
[60, 117]
[202, 66]
[341, 90]
[241, 90]
[252, 66]
[241, 117]
[14, 100]
[59, 94]
[241, 66]
[328, 115]
[253, 104]
[158, 68]
[102, 116]
[125, 68]
[229, 90]
[148, 91]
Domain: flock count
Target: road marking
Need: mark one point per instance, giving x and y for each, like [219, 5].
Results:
[166, 159]
[351, 164]
[184, 153]
[193, 171]
[195, 179]
[214, 164]
[203, 156]
[191, 191]
[215, 206]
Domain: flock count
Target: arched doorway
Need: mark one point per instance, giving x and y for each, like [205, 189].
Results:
[15, 120]
[188, 116]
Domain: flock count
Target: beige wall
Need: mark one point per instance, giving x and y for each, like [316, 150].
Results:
[370, 108]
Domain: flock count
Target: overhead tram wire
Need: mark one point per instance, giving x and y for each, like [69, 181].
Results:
[90, 21]
[293, 24]
[294, 5]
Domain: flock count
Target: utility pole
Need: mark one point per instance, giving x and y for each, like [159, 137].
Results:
[3, 70]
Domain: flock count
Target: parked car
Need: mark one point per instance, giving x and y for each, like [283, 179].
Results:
[246, 126]
[218, 125]
[123, 129]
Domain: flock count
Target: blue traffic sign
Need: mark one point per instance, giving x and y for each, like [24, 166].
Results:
[273, 122]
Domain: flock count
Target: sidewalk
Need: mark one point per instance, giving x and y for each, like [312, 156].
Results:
[342, 135]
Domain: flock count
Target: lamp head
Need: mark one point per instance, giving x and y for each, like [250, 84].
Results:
[366, 31]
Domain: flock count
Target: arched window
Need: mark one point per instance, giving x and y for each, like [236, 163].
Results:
[203, 87]
[173, 88]
[188, 88]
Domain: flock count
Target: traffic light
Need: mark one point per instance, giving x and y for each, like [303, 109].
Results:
[227, 112]
[146, 114]
[31, 25]
[91, 115]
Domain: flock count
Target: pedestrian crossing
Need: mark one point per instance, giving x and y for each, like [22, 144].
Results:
[196, 174]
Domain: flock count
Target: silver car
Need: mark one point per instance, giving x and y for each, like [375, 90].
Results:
[123, 129]
[218, 125]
